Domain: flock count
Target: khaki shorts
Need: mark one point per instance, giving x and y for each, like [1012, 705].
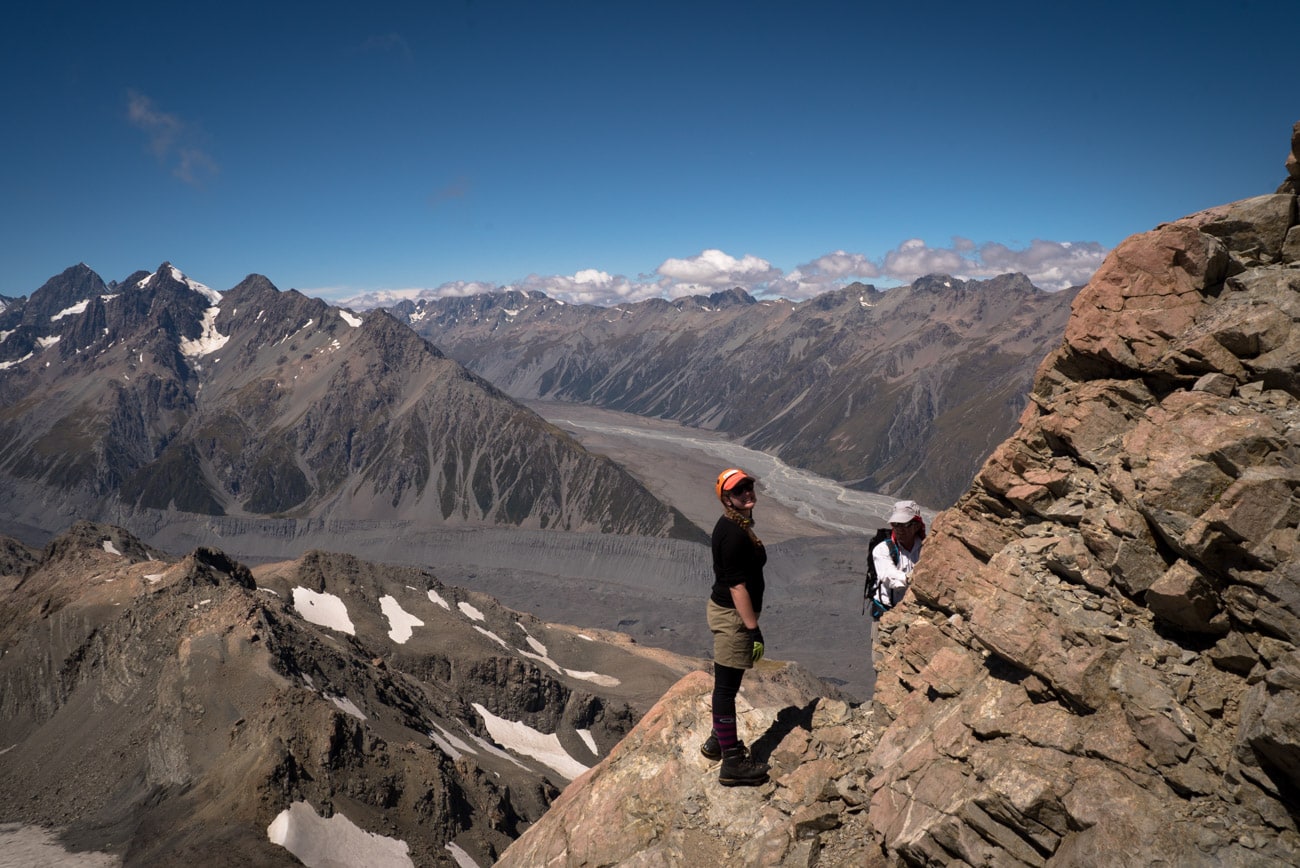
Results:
[731, 644]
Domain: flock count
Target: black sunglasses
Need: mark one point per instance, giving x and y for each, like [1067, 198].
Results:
[742, 487]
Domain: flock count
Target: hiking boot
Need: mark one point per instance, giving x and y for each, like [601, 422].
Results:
[738, 770]
[712, 750]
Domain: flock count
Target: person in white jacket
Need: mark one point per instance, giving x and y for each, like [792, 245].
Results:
[895, 557]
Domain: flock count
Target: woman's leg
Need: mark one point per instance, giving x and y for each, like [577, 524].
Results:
[726, 684]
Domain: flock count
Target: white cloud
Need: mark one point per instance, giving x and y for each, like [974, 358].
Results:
[913, 259]
[590, 286]
[826, 272]
[387, 43]
[172, 140]
[348, 297]
[1050, 265]
[714, 268]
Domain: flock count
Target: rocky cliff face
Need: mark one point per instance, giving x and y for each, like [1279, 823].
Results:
[906, 390]
[159, 397]
[1099, 664]
[169, 710]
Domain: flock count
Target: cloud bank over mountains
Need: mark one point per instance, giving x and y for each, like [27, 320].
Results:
[1050, 265]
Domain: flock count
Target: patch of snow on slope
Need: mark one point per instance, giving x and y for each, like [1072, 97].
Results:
[522, 738]
[488, 747]
[336, 842]
[400, 621]
[33, 846]
[449, 743]
[544, 656]
[347, 705]
[4, 365]
[493, 636]
[209, 341]
[326, 610]
[462, 859]
[79, 307]
[210, 294]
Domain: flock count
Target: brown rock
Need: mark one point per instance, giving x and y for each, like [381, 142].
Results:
[1149, 289]
[656, 801]
[1186, 599]
[811, 782]
[1292, 183]
[1270, 721]
[1253, 228]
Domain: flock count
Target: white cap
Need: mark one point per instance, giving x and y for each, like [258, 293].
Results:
[905, 511]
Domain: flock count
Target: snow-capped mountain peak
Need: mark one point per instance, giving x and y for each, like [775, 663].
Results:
[213, 297]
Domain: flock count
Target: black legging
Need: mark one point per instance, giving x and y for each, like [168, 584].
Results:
[726, 684]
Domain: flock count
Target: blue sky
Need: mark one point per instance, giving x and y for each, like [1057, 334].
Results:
[607, 151]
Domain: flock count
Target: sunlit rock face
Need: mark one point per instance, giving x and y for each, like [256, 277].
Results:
[1100, 665]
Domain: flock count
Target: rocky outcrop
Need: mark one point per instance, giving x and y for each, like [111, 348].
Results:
[1100, 665]
[1100, 662]
[655, 800]
[15, 558]
[1292, 182]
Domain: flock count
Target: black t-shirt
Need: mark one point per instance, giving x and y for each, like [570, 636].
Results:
[736, 561]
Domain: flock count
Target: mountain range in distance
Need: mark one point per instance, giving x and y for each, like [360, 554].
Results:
[156, 398]
[903, 391]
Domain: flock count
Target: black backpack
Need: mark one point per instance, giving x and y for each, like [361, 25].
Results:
[878, 608]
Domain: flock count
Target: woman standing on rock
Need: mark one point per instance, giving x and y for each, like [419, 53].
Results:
[733, 610]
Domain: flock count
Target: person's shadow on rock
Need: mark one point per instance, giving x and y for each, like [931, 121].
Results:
[786, 720]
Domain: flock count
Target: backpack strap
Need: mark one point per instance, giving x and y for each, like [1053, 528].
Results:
[871, 580]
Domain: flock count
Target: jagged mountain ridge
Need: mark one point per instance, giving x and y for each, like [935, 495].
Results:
[1100, 660]
[159, 395]
[898, 391]
[165, 710]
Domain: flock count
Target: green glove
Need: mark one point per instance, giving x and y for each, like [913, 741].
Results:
[756, 637]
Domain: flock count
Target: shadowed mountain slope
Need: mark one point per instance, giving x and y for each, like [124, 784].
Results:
[166, 711]
[901, 391]
[159, 396]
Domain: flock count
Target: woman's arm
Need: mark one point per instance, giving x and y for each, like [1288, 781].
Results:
[744, 606]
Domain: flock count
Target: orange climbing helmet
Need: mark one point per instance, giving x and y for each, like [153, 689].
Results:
[729, 479]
